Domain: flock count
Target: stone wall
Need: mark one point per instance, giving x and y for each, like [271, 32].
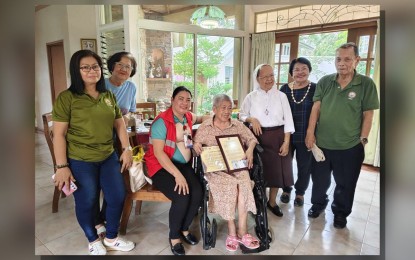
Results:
[158, 65]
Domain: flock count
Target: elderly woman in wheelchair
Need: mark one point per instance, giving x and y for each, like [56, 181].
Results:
[228, 192]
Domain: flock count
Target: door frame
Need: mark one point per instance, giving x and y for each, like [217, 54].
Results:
[49, 55]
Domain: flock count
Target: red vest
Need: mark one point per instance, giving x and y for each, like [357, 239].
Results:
[167, 116]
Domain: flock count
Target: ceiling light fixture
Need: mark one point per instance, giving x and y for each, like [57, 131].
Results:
[208, 17]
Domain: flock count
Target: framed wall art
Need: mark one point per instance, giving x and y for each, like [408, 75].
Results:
[89, 44]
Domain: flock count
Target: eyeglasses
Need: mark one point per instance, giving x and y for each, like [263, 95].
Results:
[122, 66]
[87, 68]
[271, 76]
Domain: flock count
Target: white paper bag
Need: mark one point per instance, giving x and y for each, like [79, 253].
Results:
[318, 153]
[137, 178]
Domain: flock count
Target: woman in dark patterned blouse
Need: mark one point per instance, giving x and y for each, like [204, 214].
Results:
[300, 94]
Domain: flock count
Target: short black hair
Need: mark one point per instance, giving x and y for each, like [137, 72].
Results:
[77, 84]
[301, 60]
[116, 57]
[348, 45]
[180, 89]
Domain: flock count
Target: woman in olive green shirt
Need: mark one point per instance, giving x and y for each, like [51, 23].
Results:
[84, 117]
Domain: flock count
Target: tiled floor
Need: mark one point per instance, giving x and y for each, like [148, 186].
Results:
[295, 233]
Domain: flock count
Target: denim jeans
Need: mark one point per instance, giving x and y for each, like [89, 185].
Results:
[90, 178]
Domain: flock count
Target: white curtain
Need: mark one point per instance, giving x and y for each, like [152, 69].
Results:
[262, 50]
[372, 149]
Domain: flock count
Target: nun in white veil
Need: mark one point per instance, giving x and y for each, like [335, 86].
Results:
[268, 111]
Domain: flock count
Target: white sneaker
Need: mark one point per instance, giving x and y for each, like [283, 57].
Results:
[97, 248]
[119, 244]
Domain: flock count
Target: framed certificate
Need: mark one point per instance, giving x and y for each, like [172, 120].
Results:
[212, 160]
[233, 152]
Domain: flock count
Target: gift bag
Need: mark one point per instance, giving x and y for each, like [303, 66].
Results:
[136, 171]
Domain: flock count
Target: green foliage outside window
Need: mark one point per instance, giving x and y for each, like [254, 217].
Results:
[209, 57]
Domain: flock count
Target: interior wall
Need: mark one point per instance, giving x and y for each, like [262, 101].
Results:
[51, 25]
[67, 23]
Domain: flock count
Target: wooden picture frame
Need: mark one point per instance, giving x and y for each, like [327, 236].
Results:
[233, 152]
[89, 44]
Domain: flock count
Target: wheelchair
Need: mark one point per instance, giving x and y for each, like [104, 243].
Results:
[208, 227]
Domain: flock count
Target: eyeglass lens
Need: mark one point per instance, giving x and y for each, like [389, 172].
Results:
[88, 68]
[123, 66]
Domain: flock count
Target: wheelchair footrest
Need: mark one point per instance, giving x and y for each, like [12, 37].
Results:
[246, 250]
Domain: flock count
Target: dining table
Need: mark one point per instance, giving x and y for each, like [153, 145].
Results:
[142, 131]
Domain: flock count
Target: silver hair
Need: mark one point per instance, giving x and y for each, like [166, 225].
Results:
[350, 45]
[219, 98]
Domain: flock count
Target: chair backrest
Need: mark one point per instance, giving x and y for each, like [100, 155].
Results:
[235, 102]
[148, 108]
[48, 130]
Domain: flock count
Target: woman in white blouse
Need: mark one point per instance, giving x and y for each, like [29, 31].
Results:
[269, 114]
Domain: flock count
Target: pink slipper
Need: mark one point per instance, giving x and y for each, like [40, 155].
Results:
[249, 241]
[232, 243]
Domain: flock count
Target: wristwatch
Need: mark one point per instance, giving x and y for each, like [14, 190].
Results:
[129, 148]
[363, 140]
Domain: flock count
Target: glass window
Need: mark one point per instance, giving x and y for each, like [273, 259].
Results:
[183, 61]
[285, 57]
[282, 59]
[364, 46]
[308, 15]
[361, 67]
[320, 50]
[112, 13]
[228, 74]
[169, 62]
[111, 42]
[214, 54]
[283, 74]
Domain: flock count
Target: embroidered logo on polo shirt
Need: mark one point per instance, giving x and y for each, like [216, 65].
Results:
[351, 95]
[108, 102]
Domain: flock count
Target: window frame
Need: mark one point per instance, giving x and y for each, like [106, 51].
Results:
[354, 31]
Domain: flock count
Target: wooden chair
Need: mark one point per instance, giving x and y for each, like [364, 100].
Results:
[192, 107]
[149, 109]
[235, 102]
[147, 193]
[48, 130]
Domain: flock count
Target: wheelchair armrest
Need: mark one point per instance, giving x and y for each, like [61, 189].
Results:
[258, 148]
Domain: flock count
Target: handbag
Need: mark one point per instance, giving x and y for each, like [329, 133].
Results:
[136, 171]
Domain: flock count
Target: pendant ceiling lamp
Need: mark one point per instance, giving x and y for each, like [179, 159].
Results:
[208, 17]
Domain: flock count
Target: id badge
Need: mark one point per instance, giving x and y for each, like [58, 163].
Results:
[188, 142]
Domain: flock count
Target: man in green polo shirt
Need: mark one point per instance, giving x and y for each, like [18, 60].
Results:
[340, 123]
